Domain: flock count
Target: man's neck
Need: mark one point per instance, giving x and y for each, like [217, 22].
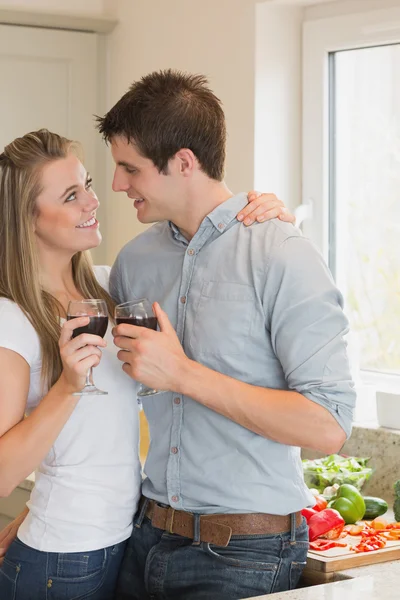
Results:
[204, 198]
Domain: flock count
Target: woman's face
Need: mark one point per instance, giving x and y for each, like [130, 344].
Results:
[66, 208]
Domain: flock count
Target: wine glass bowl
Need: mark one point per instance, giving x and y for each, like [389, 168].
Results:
[139, 313]
[97, 312]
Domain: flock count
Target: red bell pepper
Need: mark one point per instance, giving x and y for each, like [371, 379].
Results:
[327, 523]
[321, 545]
[308, 513]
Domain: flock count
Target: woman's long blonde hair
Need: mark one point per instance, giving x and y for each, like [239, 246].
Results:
[21, 164]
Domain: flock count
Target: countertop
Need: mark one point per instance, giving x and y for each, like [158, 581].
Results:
[384, 584]
[372, 582]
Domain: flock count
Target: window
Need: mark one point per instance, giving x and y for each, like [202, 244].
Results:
[351, 176]
[364, 197]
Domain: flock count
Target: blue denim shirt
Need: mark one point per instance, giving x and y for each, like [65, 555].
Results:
[257, 304]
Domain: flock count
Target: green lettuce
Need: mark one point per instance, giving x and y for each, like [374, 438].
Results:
[323, 472]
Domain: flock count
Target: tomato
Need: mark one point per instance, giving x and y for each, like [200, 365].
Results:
[320, 503]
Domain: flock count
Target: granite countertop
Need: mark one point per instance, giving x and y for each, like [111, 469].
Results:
[382, 585]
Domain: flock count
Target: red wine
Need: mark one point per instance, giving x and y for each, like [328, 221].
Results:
[96, 326]
[149, 322]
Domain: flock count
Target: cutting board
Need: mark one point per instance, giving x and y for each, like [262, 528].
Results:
[322, 565]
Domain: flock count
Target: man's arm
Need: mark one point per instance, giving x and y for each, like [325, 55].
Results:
[304, 316]
[283, 416]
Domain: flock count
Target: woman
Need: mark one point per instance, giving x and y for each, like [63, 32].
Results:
[88, 483]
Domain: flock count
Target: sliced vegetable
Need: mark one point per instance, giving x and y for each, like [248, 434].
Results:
[354, 529]
[379, 524]
[349, 503]
[374, 507]
[393, 534]
[321, 545]
[369, 543]
[333, 534]
[328, 520]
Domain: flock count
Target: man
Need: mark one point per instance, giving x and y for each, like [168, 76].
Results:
[251, 357]
[261, 207]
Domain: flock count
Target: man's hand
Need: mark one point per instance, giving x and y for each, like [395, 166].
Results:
[9, 533]
[263, 207]
[155, 358]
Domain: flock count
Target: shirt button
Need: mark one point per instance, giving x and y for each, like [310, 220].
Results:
[175, 498]
[174, 450]
[220, 225]
[177, 400]
[183, 299]
[191, 252]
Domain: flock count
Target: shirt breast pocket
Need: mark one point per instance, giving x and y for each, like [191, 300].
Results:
[223, 318]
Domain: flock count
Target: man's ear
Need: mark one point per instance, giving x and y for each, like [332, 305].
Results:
[186, 162]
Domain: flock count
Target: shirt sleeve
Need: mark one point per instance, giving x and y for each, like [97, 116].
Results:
[307, 324]
[18, 334]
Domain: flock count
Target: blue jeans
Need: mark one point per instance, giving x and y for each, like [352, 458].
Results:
[28, 574]
[162, 566]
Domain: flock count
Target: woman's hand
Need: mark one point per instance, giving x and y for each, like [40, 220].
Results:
[263, 207]
[78, 354]
[9, 533]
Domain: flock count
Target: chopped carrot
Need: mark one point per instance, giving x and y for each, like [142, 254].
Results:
[354, 529]
[379, 523]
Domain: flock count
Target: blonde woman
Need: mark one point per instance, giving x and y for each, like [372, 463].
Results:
[80, 511]
[71, 543]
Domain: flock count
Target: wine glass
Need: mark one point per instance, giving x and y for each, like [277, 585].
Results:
[97, 312]
[139, 313]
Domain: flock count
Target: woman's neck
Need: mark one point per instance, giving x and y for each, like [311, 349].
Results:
[56, 278]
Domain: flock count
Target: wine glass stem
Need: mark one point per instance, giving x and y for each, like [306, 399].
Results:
[89, 377]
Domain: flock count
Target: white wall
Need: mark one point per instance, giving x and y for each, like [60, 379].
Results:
[346, 7]
[277, 165]
[250, 50]
[214, 37]
[93, 8]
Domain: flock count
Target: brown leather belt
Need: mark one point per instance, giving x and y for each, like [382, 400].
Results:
[218, 528]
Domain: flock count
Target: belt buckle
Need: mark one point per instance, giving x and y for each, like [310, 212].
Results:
[169, 522]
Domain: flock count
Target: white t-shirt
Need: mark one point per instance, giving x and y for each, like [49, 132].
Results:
[87, 487]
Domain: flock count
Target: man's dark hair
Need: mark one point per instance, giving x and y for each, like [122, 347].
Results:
[166, 111]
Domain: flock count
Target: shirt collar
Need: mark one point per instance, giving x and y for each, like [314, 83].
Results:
[226, 212]
[220, 217]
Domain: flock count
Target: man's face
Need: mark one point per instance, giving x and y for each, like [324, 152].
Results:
[156, 196]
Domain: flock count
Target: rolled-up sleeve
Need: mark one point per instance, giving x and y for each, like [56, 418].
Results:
[307, 325]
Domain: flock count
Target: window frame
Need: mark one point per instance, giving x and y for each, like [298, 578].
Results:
[322, 38]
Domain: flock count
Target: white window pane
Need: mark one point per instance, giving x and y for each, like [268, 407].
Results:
[367, 198]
